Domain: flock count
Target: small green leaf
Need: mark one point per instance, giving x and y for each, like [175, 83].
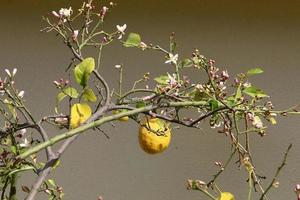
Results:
[186, 63]
[238, 94]
[71, 92]
[140, 104]
[13, 149]
[254, 92]
[198, 96]
[133, 40]
[56, 164]
[214, 104]
[88, 95]
[51, 182]
[254, 71]
[173, 44]
[60, 96]
[23, 168]
[162, 80]
[83, 71]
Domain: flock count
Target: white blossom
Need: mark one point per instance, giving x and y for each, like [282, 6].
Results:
[25, 143]
[21, 94]
[75, 35]
[54, 13]
[143, 45]
[65, 12]
[8, 72]
[118, 66]
[22, 132]
[172, 59]
[121, 29]
[172, 80]
[14, 71]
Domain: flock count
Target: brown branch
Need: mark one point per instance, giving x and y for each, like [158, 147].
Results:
[283, 163]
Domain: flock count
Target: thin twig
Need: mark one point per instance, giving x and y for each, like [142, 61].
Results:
[283, 163]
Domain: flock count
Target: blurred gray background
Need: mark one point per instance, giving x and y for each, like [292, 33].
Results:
[239, 35]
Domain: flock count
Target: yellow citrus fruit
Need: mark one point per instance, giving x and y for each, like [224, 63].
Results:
[154, 135]
[226, 196]
[122, 119]
[79, 114]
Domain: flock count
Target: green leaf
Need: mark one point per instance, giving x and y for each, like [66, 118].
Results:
[162, 80]
[238, 94]
[254, 71]
[51, 182]
[71, 92]
[173, 44]
[186, 63]
[198, 96]
[214, 104]
[140, 104]
[88, 95]
[83, 71]
[13, 149]
[60, 96]
[133, 40]
[23, 168]
[254, 92]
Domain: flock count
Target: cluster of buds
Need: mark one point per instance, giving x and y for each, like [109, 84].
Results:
[63, 13]
[143, 46]
[220, 79]
[255, 120]
[61, 121]
[103, 12]
[146, 76]
[61, 83]
[186, 81]
[214, 123]
[2, 91]
[196, 185]
[247, 164]
[226, 128]
[219, 164]
[198, 60]
[269, 105]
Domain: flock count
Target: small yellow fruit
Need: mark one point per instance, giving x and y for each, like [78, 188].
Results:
[154, 135]
[79, 114]
[226, 196]
[122, 119]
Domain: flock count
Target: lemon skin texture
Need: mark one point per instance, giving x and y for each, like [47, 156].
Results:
[149, 141]
[122, 119]
[226, 196]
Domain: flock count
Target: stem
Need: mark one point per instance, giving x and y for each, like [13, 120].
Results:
[13, 188]
[277, 172]
[99, 122]
[250, 185]
[120, 80]
[99, 57]
[207, 194]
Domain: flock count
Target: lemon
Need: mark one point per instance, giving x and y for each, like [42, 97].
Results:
[226, 196]
[154, 135]
[79, 114]
[122, 119]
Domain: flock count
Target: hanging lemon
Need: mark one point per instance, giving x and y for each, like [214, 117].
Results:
[122, 119]
[226, 196]
[79, 114]
[154, 135]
